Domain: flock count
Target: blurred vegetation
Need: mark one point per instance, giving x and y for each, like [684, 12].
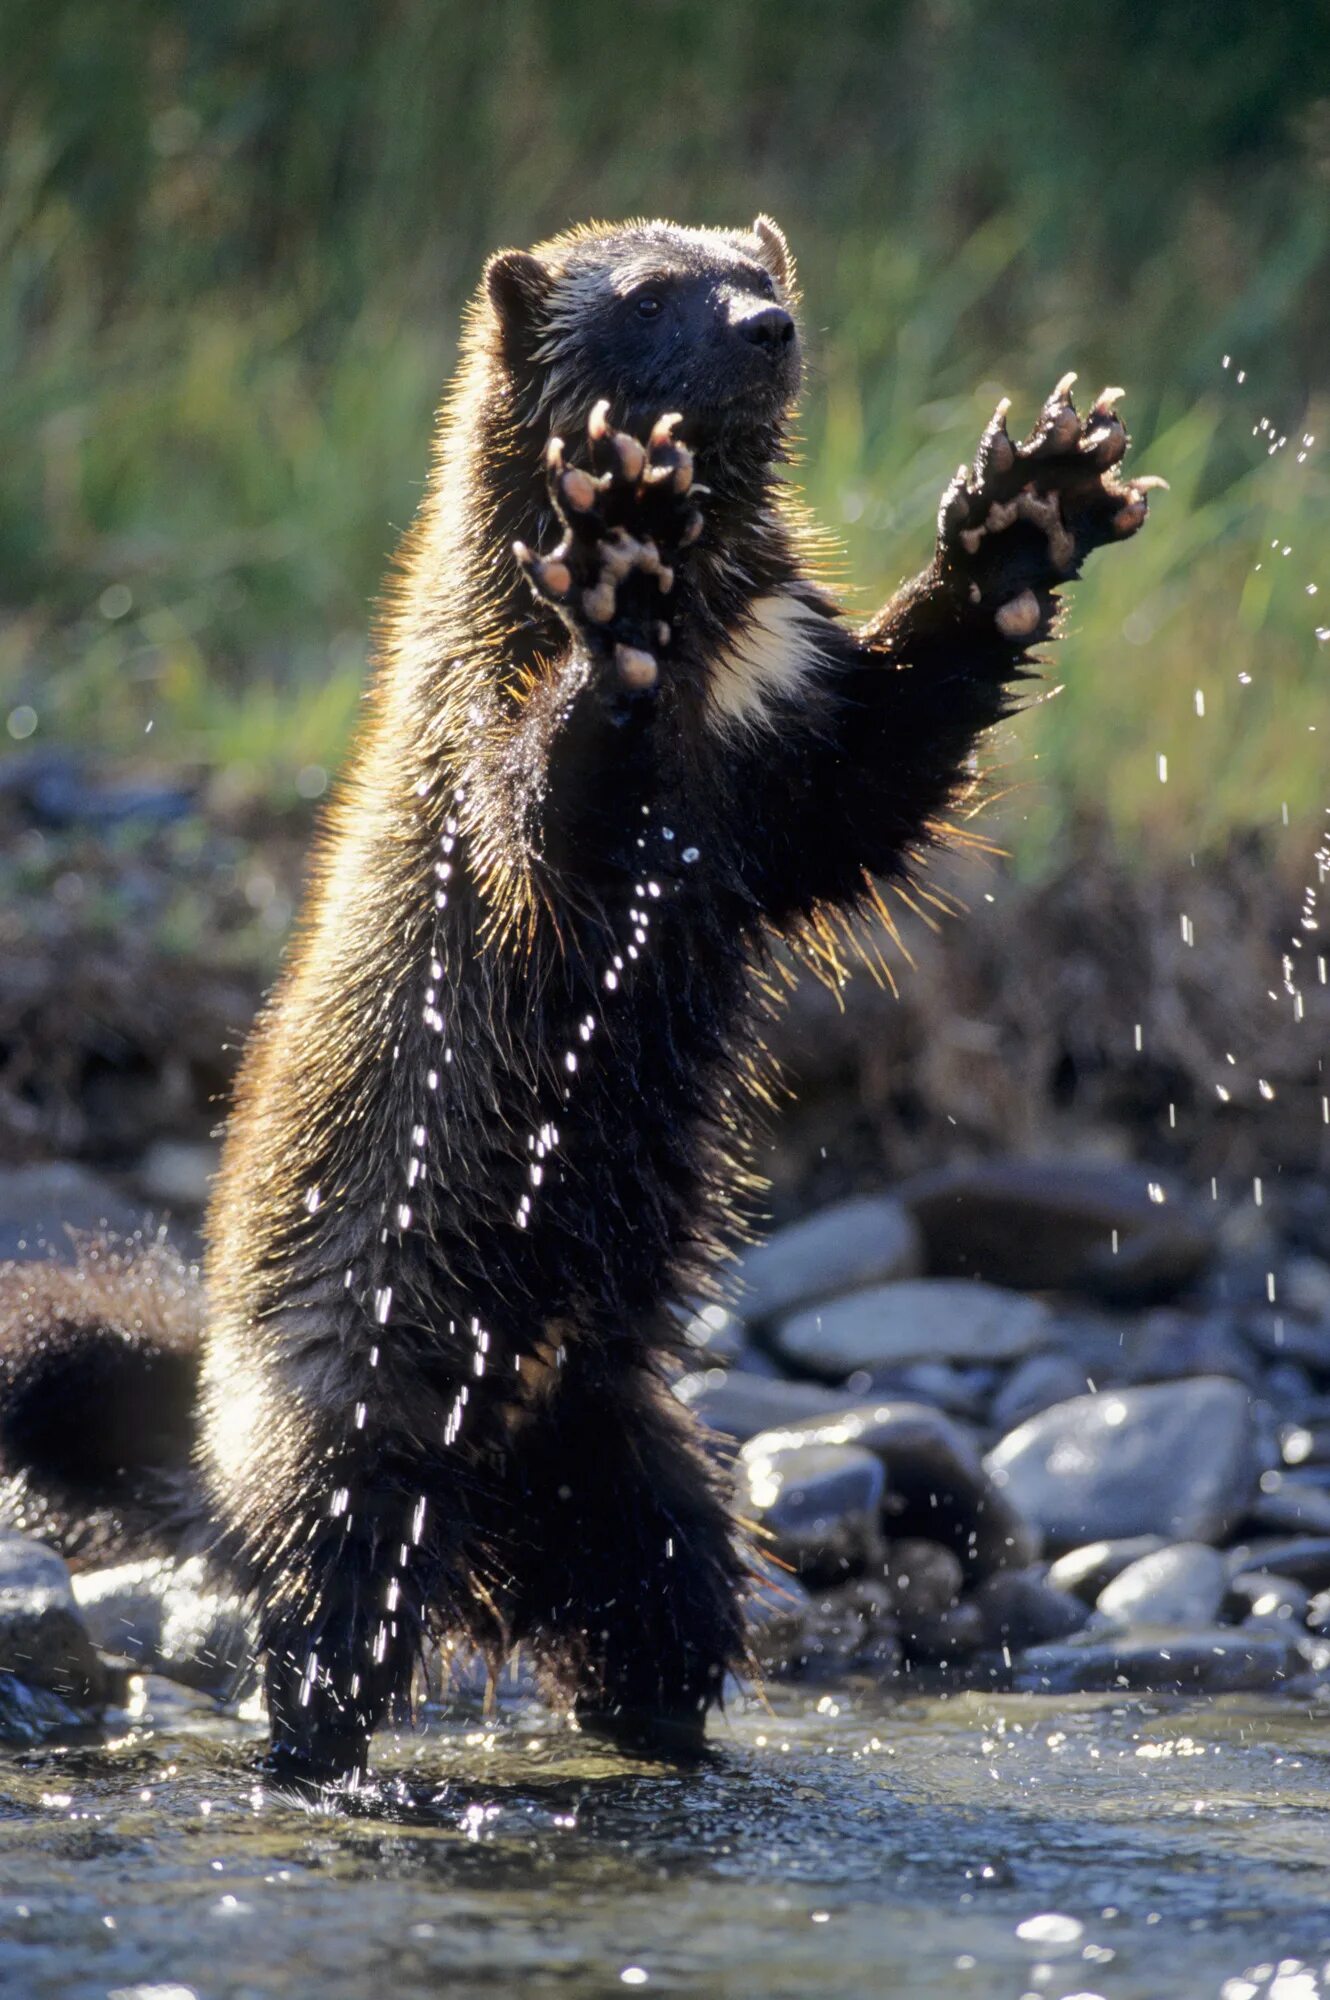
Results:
[235, 240]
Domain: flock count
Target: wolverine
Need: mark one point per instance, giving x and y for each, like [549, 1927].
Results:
[492, 1129]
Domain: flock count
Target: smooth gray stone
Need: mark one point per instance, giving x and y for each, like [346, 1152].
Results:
[739, 1405]
[43, 1640]
[1221, 1660]
[1288, 1509]
[1304, 1558]
[924, 1578]
[1035, 1384]
[1252, 1595]
[1085, 1571]
[820, 1504]
[1177, 1458]
[40, 1204]
[865, 1241]
[1183, 1584]
[924, 1319]
[177, 1173]
[1049, 1225]
[776, 1612]
[714, 1337]
[936, 1484]
[938, 1639]
[1283, 1338]
[962, 1391]
[29, 1715]
[1020, 1608]
[1170, 1346]
[168, 1619]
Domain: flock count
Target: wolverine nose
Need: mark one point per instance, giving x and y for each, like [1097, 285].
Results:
[772, 328]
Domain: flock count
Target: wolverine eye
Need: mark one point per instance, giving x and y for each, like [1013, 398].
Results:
[647, 305]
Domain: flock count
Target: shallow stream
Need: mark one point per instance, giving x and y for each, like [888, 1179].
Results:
[838, 1844]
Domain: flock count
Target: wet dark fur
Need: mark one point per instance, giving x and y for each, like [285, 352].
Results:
[366, 1482]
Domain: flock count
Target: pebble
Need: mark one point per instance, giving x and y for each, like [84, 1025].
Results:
[1020, 1608]
[936, 1483]
[924, 1579]
[1050, 1225]
[1168, 1346]
[168, 1619]
[1288, 1508]
[1086, 1570]
[1283, 1338]
[1035, 1384]
[820, 1504]
[40, 1204]
[177, 1173]
[1220, 1660]
[865, 1241]
[1252, 1595]
[924, 1319]
[777, 1611]
[1177, 1456]
[739, 1405]
[1306, 1559]
[43, 1640]
[1183, 1584]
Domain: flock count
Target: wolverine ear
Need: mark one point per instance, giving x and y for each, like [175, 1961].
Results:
[517, 284]
[775, 251]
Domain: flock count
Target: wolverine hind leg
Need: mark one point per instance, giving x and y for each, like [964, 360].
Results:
[627, 1570]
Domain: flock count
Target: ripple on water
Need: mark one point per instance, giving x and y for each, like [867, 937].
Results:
[837, 1843]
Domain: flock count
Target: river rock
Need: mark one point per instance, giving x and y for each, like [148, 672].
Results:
[29, 1715]
[168, 1619]
[1305, 1558]
[945, 1637]
[1177, 1456]
[865, 1241]
[1219, 1661]
[1035, 1384]
[936, 1484]
[1275, 1598]
[776, 1613]
[1286, 1508]
[1171, 1346]
[715, 1337]
[1086, 1570]
[177, 1173]
[925, 1319]
[924, 1578]
[43, 1640]
[739, 1405]
[820, 1504]
[1282, 1338]
[1183, 1584]
[1050, 1225]
[40, 1204]
[1020, 1608]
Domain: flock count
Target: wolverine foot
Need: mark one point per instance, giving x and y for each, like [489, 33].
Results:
[625, 525]
[1023, 518]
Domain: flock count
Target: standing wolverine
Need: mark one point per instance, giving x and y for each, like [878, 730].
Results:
[619, 739]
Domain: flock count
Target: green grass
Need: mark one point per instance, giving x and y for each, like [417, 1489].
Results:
[234, 262]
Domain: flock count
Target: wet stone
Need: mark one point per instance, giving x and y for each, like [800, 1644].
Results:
[1085, 1571]
[43, 1640]
[39, 1205]
[1058, 1225]
[820, 1504]
[1223, 1659]
[924, 1578]
[1287, 1508]
[168, 1620]
[1173, 1346]
[1034, 1385]
[1251, 1595]
[1304, 1558]
[962, 1391]
[177, 1173]
[853, 1626]
[924, 1320]
[776, 1611]
[1177, 1457]
[1283, 1338]
[940, 1639]
[1020, 1608]
[865, 1241]
[739, 1405]
[714, 1337]
[28, 1715]
[936, 1484]
[1184, 1584]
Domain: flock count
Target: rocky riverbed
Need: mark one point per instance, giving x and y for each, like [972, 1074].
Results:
[1038, 1458]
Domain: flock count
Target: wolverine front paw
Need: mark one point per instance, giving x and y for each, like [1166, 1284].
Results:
[1023, 518]
[625, 526]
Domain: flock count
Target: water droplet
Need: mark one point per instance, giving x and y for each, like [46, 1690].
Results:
[690, 854]
[313, 1198]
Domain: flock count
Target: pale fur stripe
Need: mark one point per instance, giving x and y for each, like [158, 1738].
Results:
[765, 661]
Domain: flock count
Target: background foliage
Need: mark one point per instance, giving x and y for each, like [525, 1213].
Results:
[235, 240]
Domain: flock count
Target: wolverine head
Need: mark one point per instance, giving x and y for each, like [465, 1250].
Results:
[656, 318]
